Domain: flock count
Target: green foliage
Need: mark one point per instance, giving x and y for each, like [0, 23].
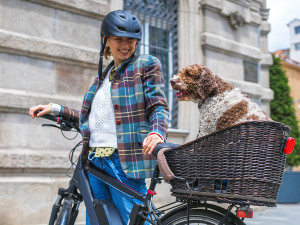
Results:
[282, 107]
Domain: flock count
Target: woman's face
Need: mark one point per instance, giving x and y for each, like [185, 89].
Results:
[121, 47]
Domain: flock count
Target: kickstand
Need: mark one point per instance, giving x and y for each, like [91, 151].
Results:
[226, 214]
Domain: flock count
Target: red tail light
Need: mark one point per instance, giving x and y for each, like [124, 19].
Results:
[244, 212]
[289, 145]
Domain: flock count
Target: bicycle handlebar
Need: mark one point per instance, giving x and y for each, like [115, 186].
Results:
[161, 146]
[48, 117]
[63, 123]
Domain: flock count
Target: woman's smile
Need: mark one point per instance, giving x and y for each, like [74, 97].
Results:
[124, 52]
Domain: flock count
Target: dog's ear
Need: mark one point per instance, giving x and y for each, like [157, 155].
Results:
[193, 70]
[206, 83]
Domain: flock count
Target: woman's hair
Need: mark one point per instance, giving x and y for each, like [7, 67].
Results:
[107, 52]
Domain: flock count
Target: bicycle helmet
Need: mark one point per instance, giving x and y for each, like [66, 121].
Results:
[119, 23]
[122, 24]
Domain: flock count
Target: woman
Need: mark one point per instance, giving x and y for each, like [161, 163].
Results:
[124, 113]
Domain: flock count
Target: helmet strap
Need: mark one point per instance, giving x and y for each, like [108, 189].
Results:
[103, 43]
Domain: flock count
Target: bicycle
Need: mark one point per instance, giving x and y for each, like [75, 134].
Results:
[66, 206]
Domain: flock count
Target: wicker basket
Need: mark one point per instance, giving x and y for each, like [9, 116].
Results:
[242, 164]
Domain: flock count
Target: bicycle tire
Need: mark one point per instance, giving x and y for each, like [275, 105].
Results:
[199, 216]
[64, 214]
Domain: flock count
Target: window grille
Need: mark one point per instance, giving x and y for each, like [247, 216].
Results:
[160, 39]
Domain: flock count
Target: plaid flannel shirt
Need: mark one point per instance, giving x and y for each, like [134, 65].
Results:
[140, 107]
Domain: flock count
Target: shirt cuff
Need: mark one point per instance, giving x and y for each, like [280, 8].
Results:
[158, 135]
[55, 109]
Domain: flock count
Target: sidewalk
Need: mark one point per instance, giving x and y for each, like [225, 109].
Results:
[283, 214]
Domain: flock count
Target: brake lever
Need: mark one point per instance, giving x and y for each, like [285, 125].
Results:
[61, 127]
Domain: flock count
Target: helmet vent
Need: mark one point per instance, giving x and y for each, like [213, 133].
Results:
[137, 31]
[133, 18]
[123, 17]
[121, 28]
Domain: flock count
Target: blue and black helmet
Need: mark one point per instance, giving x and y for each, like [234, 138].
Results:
[122, 24]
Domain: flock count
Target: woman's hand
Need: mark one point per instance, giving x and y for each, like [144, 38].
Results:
[150, 143]
[45, 109]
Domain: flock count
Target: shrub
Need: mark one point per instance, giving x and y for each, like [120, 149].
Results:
[282, 107]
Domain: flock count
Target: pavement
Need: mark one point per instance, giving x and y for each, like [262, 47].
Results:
[283, 214]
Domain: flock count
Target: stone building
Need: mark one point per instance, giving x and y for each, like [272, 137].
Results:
[49, 53]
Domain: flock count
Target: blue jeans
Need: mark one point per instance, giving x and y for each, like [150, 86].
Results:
[112, 166]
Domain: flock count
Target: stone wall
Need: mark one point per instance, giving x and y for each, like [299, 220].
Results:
[48, 53]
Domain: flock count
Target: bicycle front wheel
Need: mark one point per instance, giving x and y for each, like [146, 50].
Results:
[200, 217]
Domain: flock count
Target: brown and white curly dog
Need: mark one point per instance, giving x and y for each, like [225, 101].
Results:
[221, 105]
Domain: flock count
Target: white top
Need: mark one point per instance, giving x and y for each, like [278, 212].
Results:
[102, 124]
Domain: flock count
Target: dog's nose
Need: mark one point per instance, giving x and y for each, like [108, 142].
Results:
[172, 81]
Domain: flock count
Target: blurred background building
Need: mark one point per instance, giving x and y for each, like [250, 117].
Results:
[294, 26]
[49, 53]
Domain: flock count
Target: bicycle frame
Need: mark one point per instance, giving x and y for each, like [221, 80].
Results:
[104, 212]
[99, 212]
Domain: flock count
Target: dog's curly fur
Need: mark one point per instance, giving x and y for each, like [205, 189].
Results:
[221, 105]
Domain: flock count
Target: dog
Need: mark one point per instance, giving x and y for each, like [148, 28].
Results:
[221, 105]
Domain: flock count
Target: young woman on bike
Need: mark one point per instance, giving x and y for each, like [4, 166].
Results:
[124, 113]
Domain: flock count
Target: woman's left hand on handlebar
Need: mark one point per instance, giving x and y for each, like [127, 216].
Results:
[150, 143]
[45, 109]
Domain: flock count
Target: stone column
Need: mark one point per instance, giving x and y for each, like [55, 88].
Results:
[266, 60]
[190, 27]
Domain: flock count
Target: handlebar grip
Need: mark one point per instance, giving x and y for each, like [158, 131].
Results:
[47, 116]
[161, 146]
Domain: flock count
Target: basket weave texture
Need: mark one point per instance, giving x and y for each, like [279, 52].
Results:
[247, 159]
